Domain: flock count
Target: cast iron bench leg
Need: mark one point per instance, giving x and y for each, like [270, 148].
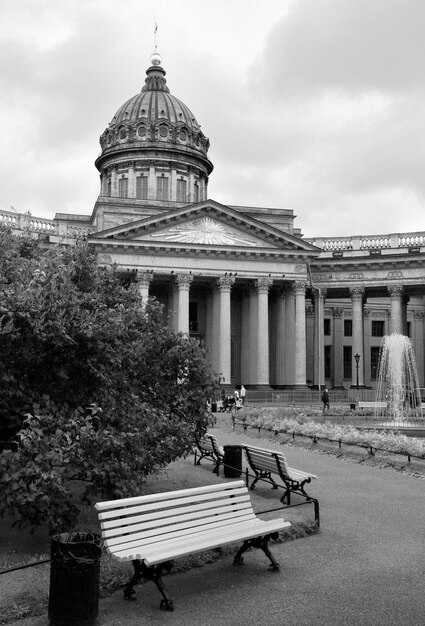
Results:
[258, 542]
[154, 573]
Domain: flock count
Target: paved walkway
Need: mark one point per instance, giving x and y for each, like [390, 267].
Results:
[366, 566]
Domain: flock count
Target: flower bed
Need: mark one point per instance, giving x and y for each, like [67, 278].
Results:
[300, 421]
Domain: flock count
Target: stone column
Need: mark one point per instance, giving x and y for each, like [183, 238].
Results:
[225, 285]
[396, 321]
[183, 282]
[309, 318]
[209, 328]
[104, 183]
[357, 295]
[263, 286]
[252, 337]
[245, 342]
[338, 341]
[300, 345]
[290, 336]
[367, 335]
[131, 180]
[173, 182]
[280, 337]
[418, 344]
[114, 183]
[143, 282]
[151, 182]
[319, 296]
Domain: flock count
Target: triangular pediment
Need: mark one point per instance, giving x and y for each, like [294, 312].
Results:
[207, 224]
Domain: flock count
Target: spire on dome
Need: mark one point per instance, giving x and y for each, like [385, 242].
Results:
[155, 80]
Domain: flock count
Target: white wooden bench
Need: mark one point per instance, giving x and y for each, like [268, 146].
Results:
[264, 463]
[371, 405]
[209, 448]
[153, 530]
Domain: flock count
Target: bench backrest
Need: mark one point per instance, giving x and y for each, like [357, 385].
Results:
[266, 460]
[209, 443]
[149, 519]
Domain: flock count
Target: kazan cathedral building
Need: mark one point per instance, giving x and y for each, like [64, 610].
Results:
[273, 309]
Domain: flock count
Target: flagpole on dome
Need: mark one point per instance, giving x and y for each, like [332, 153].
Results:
[155, 57]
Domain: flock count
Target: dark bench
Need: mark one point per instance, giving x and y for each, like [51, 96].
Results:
[209, 449]
[153, 530]
[264, 463]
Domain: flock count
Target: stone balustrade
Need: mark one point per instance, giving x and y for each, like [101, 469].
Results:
[369, 242]
[25, 222]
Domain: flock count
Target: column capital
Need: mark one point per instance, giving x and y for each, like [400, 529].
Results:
[300, 287]
[395, 291]
[419, 315]
[183, 281]
[367, 313]
[319, 293]
[144, 279]
[263, 284]
[337, 312]
[224, 283]
[309, 311]
[357, 293]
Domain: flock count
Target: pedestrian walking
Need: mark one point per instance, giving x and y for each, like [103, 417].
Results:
[325, 400]
[243, 395]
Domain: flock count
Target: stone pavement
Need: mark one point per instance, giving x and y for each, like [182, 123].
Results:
[366, 566]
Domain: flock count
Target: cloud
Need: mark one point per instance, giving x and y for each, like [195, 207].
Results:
[348, 46]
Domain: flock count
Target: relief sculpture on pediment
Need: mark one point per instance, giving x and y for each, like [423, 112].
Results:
[205, 231]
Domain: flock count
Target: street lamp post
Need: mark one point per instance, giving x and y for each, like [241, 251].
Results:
[357, 358]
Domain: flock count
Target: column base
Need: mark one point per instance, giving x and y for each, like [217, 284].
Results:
[259, 387]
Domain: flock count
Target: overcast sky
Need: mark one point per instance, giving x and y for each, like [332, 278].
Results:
[313, 105]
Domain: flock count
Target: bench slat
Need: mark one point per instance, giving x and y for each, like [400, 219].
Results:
[203, 509]
[130, 520]
[184, 521]
[161, 535]
[169, 496]
[170, 550]
[162, 503]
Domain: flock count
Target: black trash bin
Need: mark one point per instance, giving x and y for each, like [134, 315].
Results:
[232, 461]
[74, 579]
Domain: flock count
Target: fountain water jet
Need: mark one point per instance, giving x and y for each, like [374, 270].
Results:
[398, 383]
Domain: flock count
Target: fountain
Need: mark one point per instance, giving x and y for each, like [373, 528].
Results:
[398, 384]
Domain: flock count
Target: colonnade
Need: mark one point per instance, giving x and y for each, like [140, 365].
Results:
[289, 354]
[397, 324]
[272, 330]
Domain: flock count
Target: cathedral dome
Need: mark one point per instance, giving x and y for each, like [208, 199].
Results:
[155, 120]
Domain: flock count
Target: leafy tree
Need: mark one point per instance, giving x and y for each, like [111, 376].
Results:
[73, 338]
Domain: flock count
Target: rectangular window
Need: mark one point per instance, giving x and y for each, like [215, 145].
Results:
[348, 328]
[142, 187]
[181, 191]
[374, 361]
[378, 328]
[109, 192]
[193, 316]
[196, 192]
[327, 326]
[348, 365]
[162, 188]
[409, 329]
[123, 187]
[328, 361]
